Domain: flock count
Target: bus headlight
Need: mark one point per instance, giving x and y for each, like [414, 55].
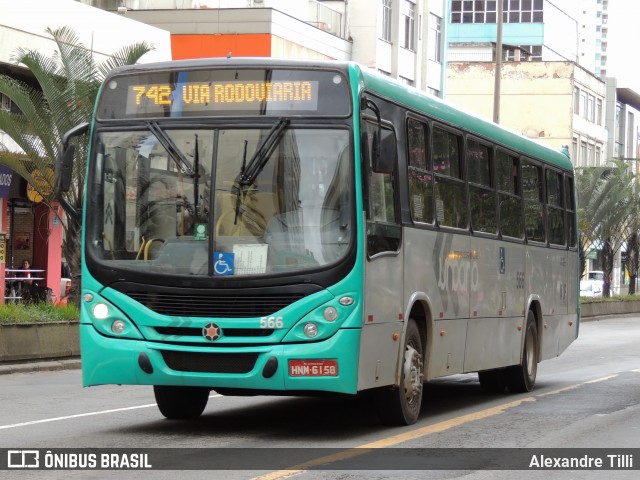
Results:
[100, 311]
[118, 327]
[330, 314]
[346, 301]
[106, 318]
[311, 330]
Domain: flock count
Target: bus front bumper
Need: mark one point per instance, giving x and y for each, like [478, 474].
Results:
[108, 360]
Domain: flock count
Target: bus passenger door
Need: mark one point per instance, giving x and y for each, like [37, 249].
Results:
[383, 268]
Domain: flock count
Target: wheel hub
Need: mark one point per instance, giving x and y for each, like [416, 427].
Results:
[412, 373]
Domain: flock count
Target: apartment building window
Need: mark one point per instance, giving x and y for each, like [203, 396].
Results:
[618, 148]
[406, 81]
[486, 11]
[591, 108]
[574, 151]
[386, 20]
[587, 106]
[435, 38]
[583, 154]
[531, 53]
[590, 157]
[583, 104]
[630, 143]
[408, 24]
[598, 155]
[535, 52]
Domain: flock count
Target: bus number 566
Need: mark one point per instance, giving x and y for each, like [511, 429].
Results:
[271, 322]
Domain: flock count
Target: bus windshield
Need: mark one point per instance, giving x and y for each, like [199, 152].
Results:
[220, 201]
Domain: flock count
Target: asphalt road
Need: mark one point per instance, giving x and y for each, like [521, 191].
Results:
[588, 398]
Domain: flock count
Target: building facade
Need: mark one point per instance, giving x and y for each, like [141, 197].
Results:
[558, 103]
[30, 230]
[404, 39]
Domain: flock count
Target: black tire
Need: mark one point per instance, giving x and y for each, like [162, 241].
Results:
[401, 405]
[181, 403]
[522, 378]
[492, 381]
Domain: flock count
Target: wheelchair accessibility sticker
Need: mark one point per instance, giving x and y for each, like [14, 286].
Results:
[223, 263]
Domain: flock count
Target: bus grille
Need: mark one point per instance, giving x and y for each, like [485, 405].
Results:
[210, 362]
[226, 332]
[229, 306]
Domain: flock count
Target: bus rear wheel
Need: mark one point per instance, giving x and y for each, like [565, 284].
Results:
[181, 403]
[401, 405]
[521, 378]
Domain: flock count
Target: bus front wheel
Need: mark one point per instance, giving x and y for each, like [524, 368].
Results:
[521, 378]
[181, 403]
[401, 405]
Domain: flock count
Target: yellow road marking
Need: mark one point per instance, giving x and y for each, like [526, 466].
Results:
[414, 434]
[394, 440]
[602, 379]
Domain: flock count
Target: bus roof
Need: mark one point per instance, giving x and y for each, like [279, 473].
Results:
[431, 106]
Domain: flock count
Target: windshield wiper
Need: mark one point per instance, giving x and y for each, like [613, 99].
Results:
[249, 172]
[171, 148]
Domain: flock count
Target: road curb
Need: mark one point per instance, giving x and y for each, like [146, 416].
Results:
[40, 366]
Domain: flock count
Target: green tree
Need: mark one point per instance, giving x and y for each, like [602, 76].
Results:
[67, 85]
[606, 198]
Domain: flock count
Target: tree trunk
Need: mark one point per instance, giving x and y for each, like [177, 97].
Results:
[632, 261]
[607, 267]
[583, 259]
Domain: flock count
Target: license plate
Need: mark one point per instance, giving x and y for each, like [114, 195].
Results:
[313, 368]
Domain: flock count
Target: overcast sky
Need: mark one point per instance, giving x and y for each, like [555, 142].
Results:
[624, 40]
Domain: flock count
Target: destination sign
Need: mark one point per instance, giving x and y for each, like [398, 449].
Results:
[224, 92]
[285, 95]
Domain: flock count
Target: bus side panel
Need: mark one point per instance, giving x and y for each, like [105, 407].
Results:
[379, 352]
[497, 297]
[569, 330]
[438, 264]
[379, 356]
[546, 279]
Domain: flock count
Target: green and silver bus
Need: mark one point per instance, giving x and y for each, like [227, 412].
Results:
[273, 227]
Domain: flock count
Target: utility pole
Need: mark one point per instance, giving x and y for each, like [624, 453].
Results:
[498, 72]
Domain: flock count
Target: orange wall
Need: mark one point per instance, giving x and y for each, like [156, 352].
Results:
[204, 46]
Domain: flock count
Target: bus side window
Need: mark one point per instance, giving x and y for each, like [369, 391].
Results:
[509, 199]
[555, 211]
[383, 229]
[450, 188]
[420, 174]
[533, 206]
[570, 206]
[482, 195]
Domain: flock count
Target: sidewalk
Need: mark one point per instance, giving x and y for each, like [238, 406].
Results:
[40, 366]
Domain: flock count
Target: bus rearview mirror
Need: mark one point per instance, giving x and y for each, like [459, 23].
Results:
[64, 168]
[383, 151]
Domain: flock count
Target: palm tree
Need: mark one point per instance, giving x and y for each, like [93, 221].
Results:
[67, 85]
[606, 197]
